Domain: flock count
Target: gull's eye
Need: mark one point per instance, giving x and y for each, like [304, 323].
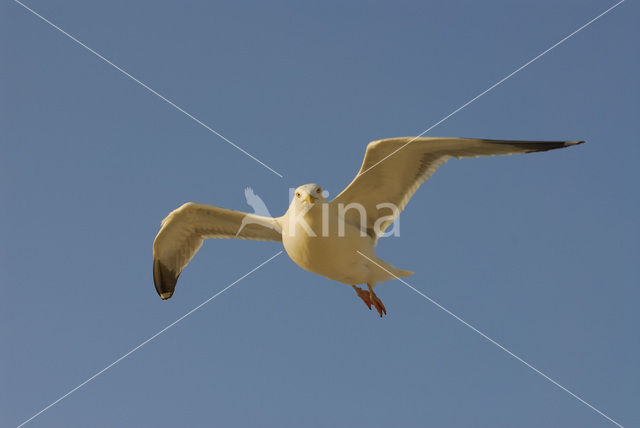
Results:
[318, 190]
[297, 194]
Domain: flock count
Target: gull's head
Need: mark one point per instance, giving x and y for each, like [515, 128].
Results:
[308, 194]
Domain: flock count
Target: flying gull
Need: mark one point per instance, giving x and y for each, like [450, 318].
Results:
[335, 238]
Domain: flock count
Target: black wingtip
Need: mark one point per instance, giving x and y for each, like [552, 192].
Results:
[164, 279]
[550, 145]
[537, 146]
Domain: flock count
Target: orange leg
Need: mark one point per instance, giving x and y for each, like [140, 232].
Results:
[375, 301]
[363, 295]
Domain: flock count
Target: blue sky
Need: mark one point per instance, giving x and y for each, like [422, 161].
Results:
[539, 251]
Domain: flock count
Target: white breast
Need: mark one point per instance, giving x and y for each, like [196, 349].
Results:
[328, 253]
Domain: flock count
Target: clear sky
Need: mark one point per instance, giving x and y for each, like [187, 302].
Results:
[538, 251]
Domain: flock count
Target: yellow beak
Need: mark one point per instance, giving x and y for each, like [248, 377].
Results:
[310, 199]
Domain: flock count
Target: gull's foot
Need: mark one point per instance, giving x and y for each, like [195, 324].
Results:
[363, 295]
[375, 301]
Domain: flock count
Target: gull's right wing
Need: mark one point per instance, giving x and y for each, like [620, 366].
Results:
[184, 229]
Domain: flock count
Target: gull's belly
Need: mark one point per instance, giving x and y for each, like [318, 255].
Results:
[333, 256]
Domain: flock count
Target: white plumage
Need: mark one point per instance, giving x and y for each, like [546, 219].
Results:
[321, 236]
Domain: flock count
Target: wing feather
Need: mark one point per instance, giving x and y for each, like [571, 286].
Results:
[393, 169]
[184, 230]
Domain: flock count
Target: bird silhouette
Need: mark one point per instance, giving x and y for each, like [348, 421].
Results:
[259, 209]
[256, 202]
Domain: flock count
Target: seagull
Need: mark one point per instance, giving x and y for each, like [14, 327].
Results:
[335, 238]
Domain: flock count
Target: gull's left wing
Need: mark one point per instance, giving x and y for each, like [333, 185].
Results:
[184, 229]
[393, 169]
